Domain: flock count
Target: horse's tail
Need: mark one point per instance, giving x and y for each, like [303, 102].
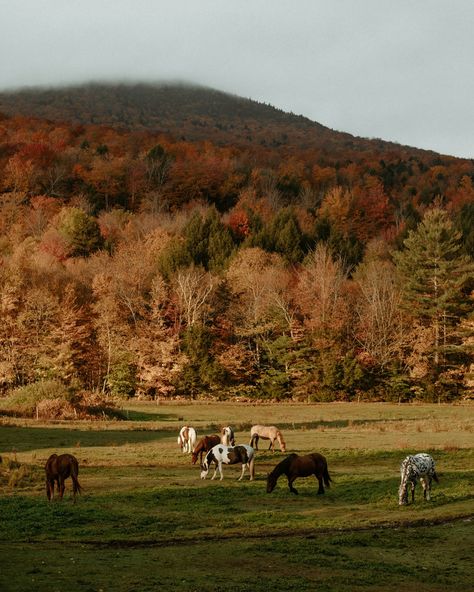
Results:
[76, 487]
[252, 468]
[326, 477]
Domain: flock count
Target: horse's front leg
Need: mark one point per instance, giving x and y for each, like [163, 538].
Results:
[290, 485]
[216, 466]
[62, 487]
[413, 484]
[220, 471]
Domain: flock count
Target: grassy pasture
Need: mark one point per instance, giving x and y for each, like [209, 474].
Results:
[146, 521]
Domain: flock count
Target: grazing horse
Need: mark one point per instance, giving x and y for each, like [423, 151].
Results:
[187, 439]
[203, 446]
[58, 469]
[271, 433]
[227, 436]
[229, 455]
[295, 466]
[420, 466]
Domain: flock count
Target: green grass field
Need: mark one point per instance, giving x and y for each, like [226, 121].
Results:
[146, 521]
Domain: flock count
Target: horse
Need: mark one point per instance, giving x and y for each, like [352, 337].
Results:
[204, 445]
[419, 466]
[58, 469]
[229, 455]
[227, 436]
[295, 466]
[187, 439]
[271, 433]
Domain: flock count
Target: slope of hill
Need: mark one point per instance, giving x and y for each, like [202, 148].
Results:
[177, 240]
[185, 112]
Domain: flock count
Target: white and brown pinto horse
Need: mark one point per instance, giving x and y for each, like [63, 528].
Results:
[187, 439]
[229, 455]
[227, 436]
[271, 433]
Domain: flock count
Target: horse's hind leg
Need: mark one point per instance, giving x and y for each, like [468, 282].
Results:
[321, 484]
[254, 441]
[242, 473]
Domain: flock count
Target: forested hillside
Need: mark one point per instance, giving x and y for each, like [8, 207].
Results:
[283, 260]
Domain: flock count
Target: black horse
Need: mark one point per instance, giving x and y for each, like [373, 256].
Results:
[58, 469]
[295, 466]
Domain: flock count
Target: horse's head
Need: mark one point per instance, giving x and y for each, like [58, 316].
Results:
[204, 469]
[271, 482]
[205, 466]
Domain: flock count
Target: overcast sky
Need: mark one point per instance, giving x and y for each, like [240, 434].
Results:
[400, 70]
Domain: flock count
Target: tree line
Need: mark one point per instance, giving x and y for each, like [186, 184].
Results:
[137, 265]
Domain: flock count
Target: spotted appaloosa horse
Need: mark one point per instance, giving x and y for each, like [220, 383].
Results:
[58, 469]
[295, 466]
[187, 439]
[203, 446]
[271, 433]
[229, 455]
[227, 436]
[419, 466]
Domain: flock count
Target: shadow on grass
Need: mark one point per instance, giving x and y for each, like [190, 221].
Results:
[24, 439]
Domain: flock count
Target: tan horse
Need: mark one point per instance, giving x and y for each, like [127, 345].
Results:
[271, 433]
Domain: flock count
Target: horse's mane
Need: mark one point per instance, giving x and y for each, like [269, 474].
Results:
[283, 466]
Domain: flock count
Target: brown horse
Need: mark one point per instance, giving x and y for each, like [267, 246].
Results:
[271, 433]
[203, 446]
[295, 466]
[58, 469]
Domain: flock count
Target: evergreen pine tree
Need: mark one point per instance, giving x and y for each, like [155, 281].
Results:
[434, 270]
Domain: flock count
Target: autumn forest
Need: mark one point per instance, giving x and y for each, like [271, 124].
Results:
[234, 251]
